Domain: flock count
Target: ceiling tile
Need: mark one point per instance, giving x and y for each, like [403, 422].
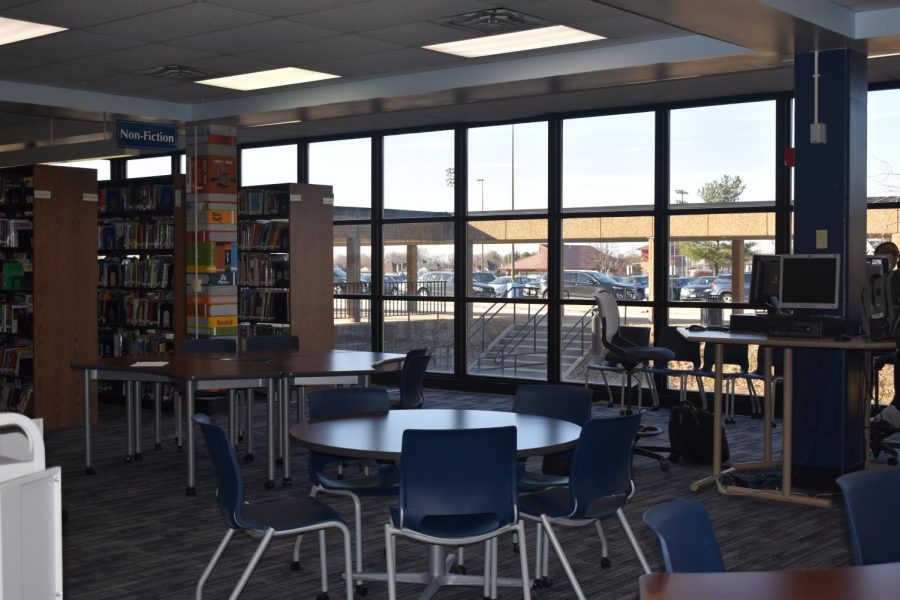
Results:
[190, 92]
[57, 74]
[129, 84]
[11, 65]
[179, 22]
[570, 12]
[283, 8]
[84, 13]
[417, 34]
[405, 59]
[230, 65]
[386, 13]
[333, 48]
[276, 32]
[631, 27]
[66, 45]
[139, 58]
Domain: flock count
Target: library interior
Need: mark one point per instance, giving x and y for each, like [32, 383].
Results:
[229, 239]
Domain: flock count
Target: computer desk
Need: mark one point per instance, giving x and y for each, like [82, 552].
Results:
[719, 339]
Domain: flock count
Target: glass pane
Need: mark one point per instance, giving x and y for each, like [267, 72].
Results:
[352, 265]
[352, 324]
[723, 154]
[508, 167]
[705, 250]
[507, 339]
[883, 171]
[606, 253]
[101, 165]
[635, 325]
[421, 323]
[505, 257]
[269, 164]
[346, 165]
[883, 225]
[148, 167]
[608, 161]
[419, 175]
[423, 252]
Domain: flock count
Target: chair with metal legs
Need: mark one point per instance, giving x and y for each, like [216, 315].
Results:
[599, 486]
[686, 537]
[736, 355]
[412, 375]
[209, 346]
[266, 520]
[266, 343]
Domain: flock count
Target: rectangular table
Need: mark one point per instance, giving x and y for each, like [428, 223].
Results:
[245, 370]
[719, 338]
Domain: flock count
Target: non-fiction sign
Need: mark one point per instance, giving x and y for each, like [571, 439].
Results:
[146, 136]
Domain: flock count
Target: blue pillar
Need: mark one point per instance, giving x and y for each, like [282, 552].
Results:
[830, 196]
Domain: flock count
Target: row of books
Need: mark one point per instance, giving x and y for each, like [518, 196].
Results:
[128, 309]
[213, 326]
[16, 318]
[153, 272]
[272, 270]
[136, 236]
[16, 189]
[129, 342]
[254, 202]
[12, 273]
[268, 235]
[264, 305]
[17, 361]
[138, 197]
[15, 233]
[16, 396]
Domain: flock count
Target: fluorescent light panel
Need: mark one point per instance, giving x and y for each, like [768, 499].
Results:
[267, 79]
[278, 123]
[13, 30]
[532, 39]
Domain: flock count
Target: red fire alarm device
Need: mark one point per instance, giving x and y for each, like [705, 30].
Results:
[789, 157]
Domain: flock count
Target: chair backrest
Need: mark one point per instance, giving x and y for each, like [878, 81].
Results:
[569, 403]
[273, 342]
[685, 351]
[777, 361]
[457, 472]
[412, 375]
[609, 315]
[342, 402]
[229, 483]
[686, 537]
[209, 345]
[734, 354]
[870, 498]
[600, 473]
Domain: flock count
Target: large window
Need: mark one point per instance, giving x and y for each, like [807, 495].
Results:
[148, 167]
[508, 168]
[269, 164]
[883, 171]
[346, 165]
[608, 161]
[419, 175]
[352, 268]
[723, 154]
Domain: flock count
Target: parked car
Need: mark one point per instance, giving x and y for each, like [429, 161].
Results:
[440, 283]
[584, 284]
[639, 281]
[340, 280]
[536, 285]
[504, 286]
[392, 286]
[675, 285]
[696, 289]
[483, 277]
[721, 288]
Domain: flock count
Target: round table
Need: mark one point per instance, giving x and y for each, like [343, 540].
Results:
[379, 436]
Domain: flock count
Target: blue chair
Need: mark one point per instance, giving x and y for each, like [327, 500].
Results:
[457, 487]
[209, 346]
[384, 481]
[599, 486]
[686, 537]
[266, 343]
[412, 375]
[268, 520]
[871, 497]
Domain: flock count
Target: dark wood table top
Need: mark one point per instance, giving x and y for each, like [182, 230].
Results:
[873, 582]
[244, 365]
[379, 436]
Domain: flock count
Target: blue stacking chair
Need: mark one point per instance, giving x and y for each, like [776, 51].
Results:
[686, 537]
[871, 497]
[457, 487]
[384, 481]
[412, 376]
[599, 486]
[268, 520]
[266, 343]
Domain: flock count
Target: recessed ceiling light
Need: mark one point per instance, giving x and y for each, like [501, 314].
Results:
[278, 123]
[531, 39]
[886, 55]
[13, 30]
[267, 79]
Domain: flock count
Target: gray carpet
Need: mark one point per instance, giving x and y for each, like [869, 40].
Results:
[131, 532]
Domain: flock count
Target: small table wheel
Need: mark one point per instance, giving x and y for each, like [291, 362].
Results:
[361, 589]
[295, 565]
[605, 562]
[89, 471]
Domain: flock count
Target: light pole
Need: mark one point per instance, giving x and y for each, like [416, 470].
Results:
[682, 193]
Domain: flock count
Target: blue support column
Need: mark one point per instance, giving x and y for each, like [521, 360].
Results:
[830, 197]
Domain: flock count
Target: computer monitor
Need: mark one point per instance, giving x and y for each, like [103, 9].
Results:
[764, 280]
[877, 265]
[810, 281]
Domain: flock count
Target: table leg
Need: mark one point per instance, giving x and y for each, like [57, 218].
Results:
[249, 395]
[717, 423]
[270, 434]
[189, 413]
[136, 396]
[768, 404]
[232, 418]
[129, 418]
[285, 395]
[88, 402]
[787, 421]
[157, 416]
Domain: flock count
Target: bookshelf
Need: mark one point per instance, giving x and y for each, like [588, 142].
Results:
[49, 290]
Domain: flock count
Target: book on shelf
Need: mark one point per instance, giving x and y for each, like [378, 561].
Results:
[213, 217]
[213, 290]
[213, 331]
[216, 173]
[210, 309]
[213, 235]
[213, 322]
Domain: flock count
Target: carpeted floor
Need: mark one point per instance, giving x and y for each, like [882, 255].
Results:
[132, 533]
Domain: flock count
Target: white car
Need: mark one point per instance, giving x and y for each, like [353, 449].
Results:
[503, 286]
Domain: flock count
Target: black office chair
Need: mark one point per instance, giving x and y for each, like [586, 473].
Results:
[625, 337]
[736, 355]
[207, 397]
[412, 375]
[683, 352]
[266, 343]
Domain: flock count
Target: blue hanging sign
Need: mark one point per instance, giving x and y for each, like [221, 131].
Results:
[146, 136]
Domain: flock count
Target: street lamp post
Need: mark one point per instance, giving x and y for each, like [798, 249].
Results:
[481, 181]
[682, 193]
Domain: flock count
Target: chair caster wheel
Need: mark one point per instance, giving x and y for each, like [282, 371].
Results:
[605, 563]
[178, 448]
[664, 466]
[515, 547]
[362, 590]
[89, 471]
[458, 569]
[538, 584]
[322, 596]
[546, 581]
[269, 484]
[190, 491]
[129, 459]
[295, 565]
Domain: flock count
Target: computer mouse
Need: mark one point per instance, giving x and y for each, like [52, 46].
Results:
[696, 328]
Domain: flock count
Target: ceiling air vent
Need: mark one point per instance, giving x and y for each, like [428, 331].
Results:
[180, 73]
[493, 21]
